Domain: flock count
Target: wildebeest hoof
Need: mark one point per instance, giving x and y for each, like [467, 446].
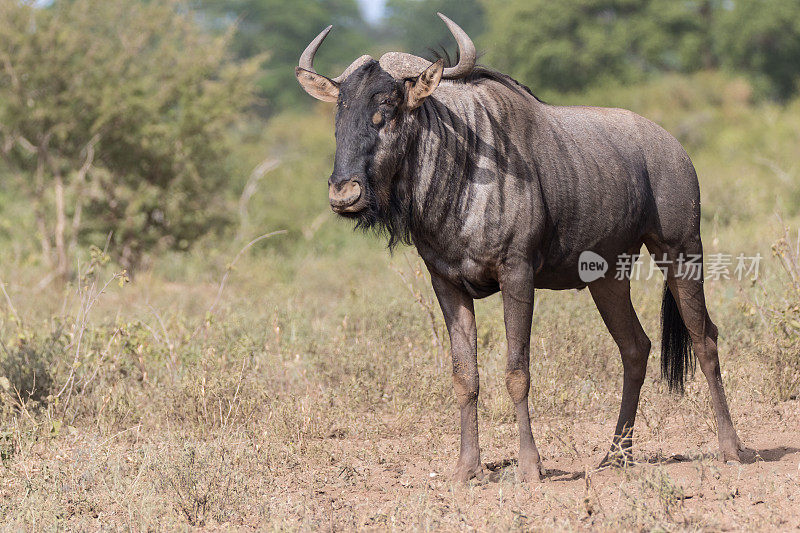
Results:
[467, 471]
[737, 454]
[617, 459]
[530, 472]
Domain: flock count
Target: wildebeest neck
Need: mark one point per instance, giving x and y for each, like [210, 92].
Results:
[471, 168]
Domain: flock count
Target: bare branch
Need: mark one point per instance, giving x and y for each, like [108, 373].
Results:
[11, 73]
[80, 180]
[26, 144]
[38, 202]
[8, 300]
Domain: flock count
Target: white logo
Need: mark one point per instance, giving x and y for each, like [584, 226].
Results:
[591, 266]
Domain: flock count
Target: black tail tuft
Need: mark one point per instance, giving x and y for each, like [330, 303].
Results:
[677, 357]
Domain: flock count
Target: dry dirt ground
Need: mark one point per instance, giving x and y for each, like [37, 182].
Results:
[322, 408]
[140, 481]
[677, 483]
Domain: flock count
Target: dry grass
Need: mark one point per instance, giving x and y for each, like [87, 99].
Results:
[330, 408]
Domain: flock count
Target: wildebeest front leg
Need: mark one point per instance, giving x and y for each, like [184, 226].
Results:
[517, 288]
[459, 315]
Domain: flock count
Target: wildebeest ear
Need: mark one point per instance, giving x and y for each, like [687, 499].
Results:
[317, 85]
[424, 85]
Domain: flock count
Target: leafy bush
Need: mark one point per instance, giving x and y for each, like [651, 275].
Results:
[114, 116]
[26, 369]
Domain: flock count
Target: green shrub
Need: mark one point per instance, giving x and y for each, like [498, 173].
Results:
[27, 369]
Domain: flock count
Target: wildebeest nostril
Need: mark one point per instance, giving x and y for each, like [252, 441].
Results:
[344, 194]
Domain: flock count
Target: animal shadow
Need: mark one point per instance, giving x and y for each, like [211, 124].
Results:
[749, 456]
[505, 470]
[771, 455]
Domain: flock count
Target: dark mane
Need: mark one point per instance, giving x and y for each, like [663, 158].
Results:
[480, 73]
[394, 223]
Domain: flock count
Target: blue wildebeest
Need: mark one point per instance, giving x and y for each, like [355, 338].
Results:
[499, 191]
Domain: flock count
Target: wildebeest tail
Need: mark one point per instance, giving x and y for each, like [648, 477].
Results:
[677, 357]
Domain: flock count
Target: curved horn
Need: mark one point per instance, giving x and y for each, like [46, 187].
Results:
[307, 57]
[402, 65]
[467, 55]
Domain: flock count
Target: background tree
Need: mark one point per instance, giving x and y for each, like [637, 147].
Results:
[414, 27]
[282, 30]
[569, 45]
[762, 38]
[113, 118]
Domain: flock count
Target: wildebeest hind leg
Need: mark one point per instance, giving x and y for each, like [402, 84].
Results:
[613, 299]
[690, 298]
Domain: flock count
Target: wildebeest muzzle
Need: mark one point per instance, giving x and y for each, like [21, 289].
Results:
[346, 196]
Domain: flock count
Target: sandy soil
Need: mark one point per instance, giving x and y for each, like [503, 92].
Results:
[677, 482]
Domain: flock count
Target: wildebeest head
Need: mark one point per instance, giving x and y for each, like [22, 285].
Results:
[374, 118]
